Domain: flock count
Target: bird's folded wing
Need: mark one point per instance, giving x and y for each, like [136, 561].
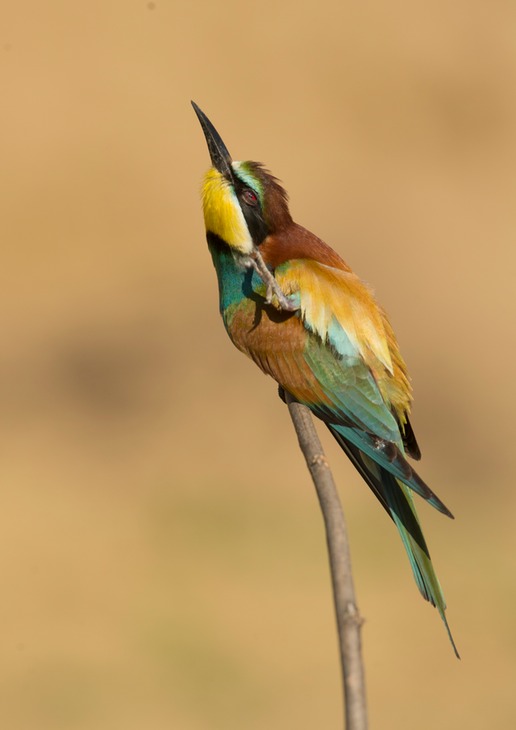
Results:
[354, 355]
[338, 307]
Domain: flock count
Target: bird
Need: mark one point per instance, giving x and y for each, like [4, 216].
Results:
[292, 305]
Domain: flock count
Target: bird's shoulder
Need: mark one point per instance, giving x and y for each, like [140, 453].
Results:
[296, 242]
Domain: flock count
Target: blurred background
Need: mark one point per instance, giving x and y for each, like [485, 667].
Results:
[162, 556]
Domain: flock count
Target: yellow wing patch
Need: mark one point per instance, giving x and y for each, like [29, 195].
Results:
[328, 296]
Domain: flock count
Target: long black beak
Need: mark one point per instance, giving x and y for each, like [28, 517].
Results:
[220, 157]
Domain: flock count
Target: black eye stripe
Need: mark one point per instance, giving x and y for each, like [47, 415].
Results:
[251, 208]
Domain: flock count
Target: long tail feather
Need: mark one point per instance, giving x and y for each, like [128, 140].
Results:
[388, 455]
[397, 501]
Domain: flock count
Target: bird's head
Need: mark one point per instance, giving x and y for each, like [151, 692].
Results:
[243, 203]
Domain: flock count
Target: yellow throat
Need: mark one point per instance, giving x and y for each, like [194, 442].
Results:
[222, 213]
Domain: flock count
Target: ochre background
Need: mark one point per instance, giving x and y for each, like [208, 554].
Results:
[162, 558]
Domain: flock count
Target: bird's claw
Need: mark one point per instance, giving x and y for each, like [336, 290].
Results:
[273, 293]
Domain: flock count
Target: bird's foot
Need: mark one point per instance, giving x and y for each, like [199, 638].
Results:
[274, 295]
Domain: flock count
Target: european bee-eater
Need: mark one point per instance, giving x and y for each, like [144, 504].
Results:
[291, 304]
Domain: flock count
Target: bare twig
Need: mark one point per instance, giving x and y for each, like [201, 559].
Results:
[348, 617]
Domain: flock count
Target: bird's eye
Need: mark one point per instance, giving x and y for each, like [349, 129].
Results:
[249, 196]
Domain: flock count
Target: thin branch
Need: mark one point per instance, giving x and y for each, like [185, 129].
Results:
[348, 617]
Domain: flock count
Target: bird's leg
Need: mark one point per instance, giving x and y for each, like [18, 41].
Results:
[273, 288]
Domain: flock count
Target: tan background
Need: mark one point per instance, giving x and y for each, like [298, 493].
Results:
[162, 560]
